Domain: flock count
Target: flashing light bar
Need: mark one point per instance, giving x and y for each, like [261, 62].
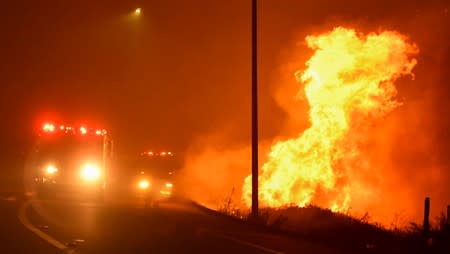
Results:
[83, 130]
[157, 154]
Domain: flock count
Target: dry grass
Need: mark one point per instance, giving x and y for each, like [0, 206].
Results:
[355, 234]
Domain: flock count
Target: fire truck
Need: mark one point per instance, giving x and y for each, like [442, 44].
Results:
[149, 176]
[154, 174]
[71, 160]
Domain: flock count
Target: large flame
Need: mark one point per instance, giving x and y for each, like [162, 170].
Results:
[349, 84]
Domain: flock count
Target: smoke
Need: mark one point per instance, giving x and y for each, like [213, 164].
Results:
[215, 168]
[214, 176]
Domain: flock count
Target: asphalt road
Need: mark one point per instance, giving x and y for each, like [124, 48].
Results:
[70, 226]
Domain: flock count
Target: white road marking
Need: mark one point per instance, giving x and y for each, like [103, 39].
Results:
[24, 220]
[51, 240]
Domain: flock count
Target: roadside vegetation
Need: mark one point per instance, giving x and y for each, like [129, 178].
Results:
[347, 232]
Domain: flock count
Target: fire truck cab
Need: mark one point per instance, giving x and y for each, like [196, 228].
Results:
[148, 177]
[71, 160]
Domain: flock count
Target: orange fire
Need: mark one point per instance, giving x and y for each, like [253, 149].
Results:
[349, 85]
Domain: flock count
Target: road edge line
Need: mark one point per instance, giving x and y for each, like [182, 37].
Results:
[253, 245]
[46, 237]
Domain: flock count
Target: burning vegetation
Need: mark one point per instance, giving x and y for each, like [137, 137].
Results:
[349, 86]
[346, 142]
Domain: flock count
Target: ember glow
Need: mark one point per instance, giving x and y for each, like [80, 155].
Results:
[349, 86]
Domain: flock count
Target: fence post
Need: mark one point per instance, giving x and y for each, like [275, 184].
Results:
[426, 217]
[448, 217]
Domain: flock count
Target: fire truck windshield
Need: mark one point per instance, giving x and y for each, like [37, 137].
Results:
[69, 147]
[162, 167]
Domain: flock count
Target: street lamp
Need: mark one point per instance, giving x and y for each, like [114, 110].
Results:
[137, 11]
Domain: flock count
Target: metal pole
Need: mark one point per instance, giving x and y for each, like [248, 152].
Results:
[426, 217]
[254, 111]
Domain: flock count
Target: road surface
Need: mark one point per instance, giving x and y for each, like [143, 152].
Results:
[62, 226]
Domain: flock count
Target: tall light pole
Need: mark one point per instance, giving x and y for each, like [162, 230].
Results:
[254, 111]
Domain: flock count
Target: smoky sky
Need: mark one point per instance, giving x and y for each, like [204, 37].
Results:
[182, 69]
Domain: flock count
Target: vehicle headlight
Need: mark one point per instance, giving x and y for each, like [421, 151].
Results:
[50, 170]
[143, 184]
[90, 172]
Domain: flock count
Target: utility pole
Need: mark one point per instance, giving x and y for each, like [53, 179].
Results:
[254, 111]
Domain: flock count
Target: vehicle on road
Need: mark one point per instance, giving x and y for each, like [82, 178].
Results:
[68, 160]
[152, 174]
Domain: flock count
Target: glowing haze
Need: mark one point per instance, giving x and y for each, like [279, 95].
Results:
[349, 86]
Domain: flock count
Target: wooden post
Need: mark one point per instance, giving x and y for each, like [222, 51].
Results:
[448, 217]
[426, 217]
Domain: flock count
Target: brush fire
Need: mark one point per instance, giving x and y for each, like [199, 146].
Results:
[349, 84]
